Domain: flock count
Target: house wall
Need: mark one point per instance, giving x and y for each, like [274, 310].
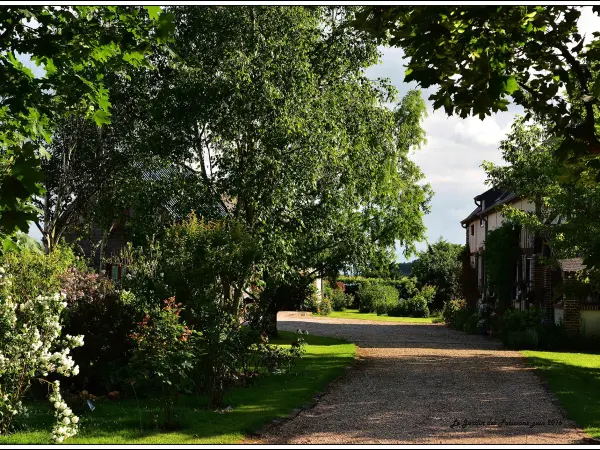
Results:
[319, 285]
[495, 220]
[590, 322]
[559, 315]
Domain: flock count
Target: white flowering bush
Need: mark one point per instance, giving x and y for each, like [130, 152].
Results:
[31, 347]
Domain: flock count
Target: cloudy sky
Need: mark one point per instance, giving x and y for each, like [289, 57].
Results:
[451, 159]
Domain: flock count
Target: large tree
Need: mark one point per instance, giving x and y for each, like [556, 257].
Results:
[273, 108]
[481, 58]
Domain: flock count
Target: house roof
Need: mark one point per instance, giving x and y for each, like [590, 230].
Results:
[490, 199]
[571, 264]
[171, 170]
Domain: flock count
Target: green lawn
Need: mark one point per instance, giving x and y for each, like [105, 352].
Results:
[354, 314]
[272, 397]
[575, 380]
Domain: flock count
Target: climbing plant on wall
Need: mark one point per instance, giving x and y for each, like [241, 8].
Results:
[500, 258]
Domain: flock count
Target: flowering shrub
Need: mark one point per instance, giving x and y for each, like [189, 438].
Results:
[164, 354]
[31, 346]
[66, 422]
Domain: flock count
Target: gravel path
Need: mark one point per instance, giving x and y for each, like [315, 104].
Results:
[425, 384]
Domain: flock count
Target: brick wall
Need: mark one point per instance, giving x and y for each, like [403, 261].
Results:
[572, 314]
[542, 287]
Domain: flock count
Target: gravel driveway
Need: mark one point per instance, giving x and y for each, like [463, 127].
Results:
[425, 384]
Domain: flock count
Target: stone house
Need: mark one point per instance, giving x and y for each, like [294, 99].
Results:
[534, 284]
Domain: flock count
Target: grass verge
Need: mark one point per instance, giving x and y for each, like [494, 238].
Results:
[354, 314]
[270, 398]
[575, 380]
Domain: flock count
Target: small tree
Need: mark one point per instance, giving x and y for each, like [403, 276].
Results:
[439, 266]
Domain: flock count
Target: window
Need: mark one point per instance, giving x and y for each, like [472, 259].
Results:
[472, 229]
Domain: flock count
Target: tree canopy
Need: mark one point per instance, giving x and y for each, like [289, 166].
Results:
[75, 46]
[483, 57]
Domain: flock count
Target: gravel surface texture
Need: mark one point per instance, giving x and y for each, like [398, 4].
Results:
[424, 384]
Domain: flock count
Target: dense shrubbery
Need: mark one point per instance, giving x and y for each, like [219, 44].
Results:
[372, 294]
[340, 301]
[406, 287]
[171, 326]
[32, 343]
[412, 307]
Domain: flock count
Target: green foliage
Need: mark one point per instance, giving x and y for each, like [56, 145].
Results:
[75, 46]
[386, 302]
[503, 42]
[501, 253]
[520, 328]
[323, 306]
[164, 352]
[372, 294]
[106, 317]
[452, 308]
[469, 289]
[412, 307]
[207, 264]
[273, 154]
[340, 301]
[439, 266]
[34, 273]
[406, 286]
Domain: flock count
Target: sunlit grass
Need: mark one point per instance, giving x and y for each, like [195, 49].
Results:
[575, 380]
[271, 397]
[354, 314]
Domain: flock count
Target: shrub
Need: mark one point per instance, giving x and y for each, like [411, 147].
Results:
[520, 329]
[164, 353]
[451, 308]
[413, 307]
[464, 319]
[106, 317]
[33, 273]
[340, 300]
[400, 309]
[417, 306]
[32, 343]
[471, 324]
[371, 293]
[386, 303]
[275, 359]
[31, 347]
[324, 306]
[428, 293]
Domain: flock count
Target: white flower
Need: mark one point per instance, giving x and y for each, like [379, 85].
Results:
[66, 421]
[74, 419]
[59, 439]
[57, 405]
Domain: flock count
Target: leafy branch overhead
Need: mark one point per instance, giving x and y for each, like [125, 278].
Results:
[483, 57]
[75, 47]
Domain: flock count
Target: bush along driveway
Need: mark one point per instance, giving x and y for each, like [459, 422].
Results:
[426, 384]
[248, 409]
